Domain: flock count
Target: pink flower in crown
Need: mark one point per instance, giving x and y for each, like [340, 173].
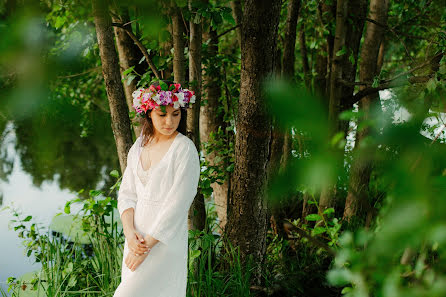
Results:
[154, 89]
[146, 97]
[152, 104]
[177, 87]
[145, 107]
[165, 97]
[188, 95]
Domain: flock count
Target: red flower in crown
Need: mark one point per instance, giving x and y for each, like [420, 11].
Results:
[154, 89]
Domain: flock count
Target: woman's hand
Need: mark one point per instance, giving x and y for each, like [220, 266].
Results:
[132, 261]
[136, 243]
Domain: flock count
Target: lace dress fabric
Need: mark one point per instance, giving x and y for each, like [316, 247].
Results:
[143, 175]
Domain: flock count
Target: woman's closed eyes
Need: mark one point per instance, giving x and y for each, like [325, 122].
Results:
[163, 115]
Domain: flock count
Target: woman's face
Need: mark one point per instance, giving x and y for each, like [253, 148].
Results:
[166, 123]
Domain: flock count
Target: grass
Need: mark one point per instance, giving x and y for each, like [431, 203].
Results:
[70, 267]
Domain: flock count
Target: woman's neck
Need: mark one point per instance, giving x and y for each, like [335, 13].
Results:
[159, 137]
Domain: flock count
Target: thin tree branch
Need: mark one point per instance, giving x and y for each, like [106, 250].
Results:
[80, 74]
[414, 79]
[310, 238]
[348, 101]
[140, 46]
[416, 68]
[227, 31]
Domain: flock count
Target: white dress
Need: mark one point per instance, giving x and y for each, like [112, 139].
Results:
[161, 197]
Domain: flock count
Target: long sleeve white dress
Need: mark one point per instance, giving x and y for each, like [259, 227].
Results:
[161, 197]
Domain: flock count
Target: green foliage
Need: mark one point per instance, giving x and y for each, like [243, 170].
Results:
[223, 161]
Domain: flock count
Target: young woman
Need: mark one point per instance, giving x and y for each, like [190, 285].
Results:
[157, 189]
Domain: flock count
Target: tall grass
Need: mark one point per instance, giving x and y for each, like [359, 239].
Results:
[72, 268]
[69, 267]
[214, 264]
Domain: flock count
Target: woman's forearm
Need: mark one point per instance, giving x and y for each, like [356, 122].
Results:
[129, 228]
[127, 221]
[150, 241]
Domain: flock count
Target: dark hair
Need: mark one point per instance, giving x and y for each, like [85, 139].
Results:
[147, 126]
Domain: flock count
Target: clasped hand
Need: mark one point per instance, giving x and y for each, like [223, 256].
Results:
[138, 250]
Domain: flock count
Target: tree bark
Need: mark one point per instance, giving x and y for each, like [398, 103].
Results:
[178, 31]
[166, 46]
[129, 55]
[303, 52]
[281, 138]
[197, 212]
[289, 42]
[247, 213]
[115, 92]
[357, 197]
[357, 11]
[236, 7]
[327, 198]
[324, 54]
[211, 120]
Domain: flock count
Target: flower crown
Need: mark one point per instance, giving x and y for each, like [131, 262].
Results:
[152, 97]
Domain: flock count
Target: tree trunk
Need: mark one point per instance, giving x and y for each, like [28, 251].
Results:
[115, 92]
[178, 31]
[327, 198]
[357, 11]
[165, 47]
[247, 213]
[281, 138]
[289, 42]
[357, 197]
[129, 55]
[303, 52]
[328, 17]
[236, 7]
[324, 54]
[211, 120]
[197, 212]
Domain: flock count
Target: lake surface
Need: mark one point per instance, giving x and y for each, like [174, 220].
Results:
[39, 182]
[41, 203]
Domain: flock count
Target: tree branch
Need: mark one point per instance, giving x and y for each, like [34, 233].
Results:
[140, 46]
[227, 31]
[396, 81]
[348, 101]
[310, 238]
[82, 73]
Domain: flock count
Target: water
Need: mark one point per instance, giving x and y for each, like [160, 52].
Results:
[25, 190]
[42, 204]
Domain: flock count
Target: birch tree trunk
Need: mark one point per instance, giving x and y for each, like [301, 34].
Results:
[115, 92]
[247, 208]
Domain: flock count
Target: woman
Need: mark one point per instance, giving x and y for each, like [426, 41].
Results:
[157, 189]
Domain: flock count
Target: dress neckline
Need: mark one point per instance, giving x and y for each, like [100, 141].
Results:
[162, 159]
